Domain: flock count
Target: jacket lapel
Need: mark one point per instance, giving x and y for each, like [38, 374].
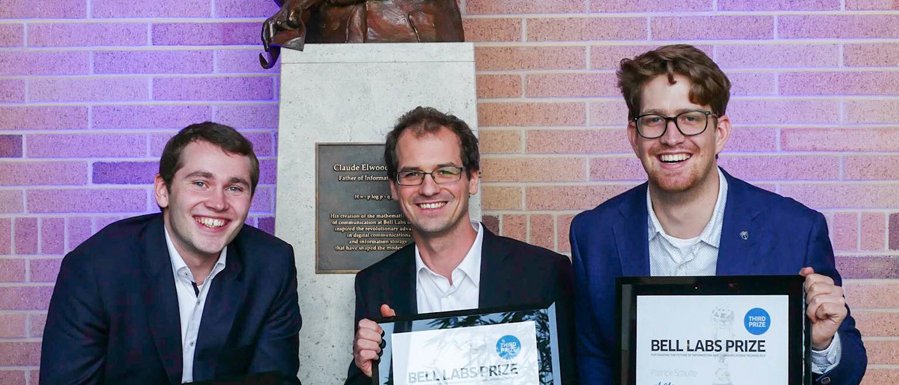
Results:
[494, 291]
[631, 234]
[740, 245]
[404, 299]
[161, 299]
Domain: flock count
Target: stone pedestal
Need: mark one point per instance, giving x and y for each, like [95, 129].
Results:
[350, 93]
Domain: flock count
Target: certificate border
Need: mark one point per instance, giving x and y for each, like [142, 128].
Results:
[628, 288]
[389, 325]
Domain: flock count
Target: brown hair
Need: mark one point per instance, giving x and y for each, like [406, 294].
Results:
[708, 84]
[225, 137]
[424, 120]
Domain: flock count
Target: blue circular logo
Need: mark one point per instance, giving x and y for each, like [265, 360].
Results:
[507, 347]
[757, 321]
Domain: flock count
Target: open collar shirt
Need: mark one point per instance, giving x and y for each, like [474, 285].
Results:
[434, 293]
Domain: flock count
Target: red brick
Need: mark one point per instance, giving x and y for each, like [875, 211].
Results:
[24, 298]
[500, 7]
[248, 116]
[87, 145]
[838, 26]
[782, 167]
[533, 169]
[88, 89]
[153, 62]
[160, 8]
[596, 141]
[779, 5]
[845, 231]
[499, 141]
[752, 139]
[893, 231]
[617, 168]
[542, 231]
[43, 9]
[792, 111]
[78, 229]
[12, 35]
[43, 118]
[86, 34]
[37, 320]
[53, 236]
[530, 58]
[491, 222]
[44, 269]
[263, 200]
[609, 113]
[586, 29]
[499, 86]
[492, 29]
[608, 57]
[872, 167]
[11, 202]
[87, 201]
[871, 55]
[25, 236]
[20, 353]
[12, 90]
[873, 232]
[570, 197]
[875, 323]
[872, 111]
[711, 27]
[867, 294]
[245, 8]
[148, 116]
[213, 88]
[500, 198]
[835, 139]
[843, 196]
[868, 5]
[839, 83]
[5, 236]
[563, 227]
[752, 83]
[882, 352]
[11, 270]
[36, 63]
[515, 226]
[880, 375]
[650, 5]
[777, 56]
[531, 114]
[43, 173]
[199, 34]
[571, 85]
[241, 61]
[12, 326]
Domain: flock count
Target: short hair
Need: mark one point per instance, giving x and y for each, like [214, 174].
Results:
[708, 84]
[225, 137]
[428, 120]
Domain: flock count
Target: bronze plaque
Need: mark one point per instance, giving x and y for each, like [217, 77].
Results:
[358, 222]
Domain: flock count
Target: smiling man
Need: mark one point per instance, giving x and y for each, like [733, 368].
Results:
[692, 218]
[433, 165]
[191, 294]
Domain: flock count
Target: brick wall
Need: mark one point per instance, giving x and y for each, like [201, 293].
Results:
[91, 89]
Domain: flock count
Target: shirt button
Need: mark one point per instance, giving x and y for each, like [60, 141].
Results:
[191, 343]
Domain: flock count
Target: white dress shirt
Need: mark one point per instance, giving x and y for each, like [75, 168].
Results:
[672, 256]
[433, 291]
[190, 303]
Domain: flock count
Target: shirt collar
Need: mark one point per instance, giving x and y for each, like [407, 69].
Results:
[180, 268]
[470, 265]
[711, 234]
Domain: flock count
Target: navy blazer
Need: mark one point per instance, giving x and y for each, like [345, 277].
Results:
[513, 273]
[612, 240]
[114, 317]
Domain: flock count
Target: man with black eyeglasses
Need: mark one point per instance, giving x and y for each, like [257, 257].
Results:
[692, 218]
[433, 165]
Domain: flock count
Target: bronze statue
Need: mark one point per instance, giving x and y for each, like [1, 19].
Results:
[359, 21]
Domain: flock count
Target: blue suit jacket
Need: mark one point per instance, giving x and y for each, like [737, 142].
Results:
[612, 240]
[114, 317]
[513, 273]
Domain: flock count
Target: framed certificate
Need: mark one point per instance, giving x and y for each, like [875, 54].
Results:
[727, 330]
[497, 347]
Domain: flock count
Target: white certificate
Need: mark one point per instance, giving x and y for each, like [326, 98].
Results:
[501, 354]
[712, 339]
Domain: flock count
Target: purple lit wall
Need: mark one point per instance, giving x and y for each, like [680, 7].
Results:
[90, 90]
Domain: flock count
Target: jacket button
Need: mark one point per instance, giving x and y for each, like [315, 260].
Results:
[825, 380]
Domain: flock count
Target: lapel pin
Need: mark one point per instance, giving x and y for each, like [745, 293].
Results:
[744, 234]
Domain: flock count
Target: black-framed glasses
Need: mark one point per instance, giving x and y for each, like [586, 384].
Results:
[689, 123]
[442, 175]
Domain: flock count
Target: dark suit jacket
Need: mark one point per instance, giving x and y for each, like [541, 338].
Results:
[513, 273]
[612, 241]
[114, 315]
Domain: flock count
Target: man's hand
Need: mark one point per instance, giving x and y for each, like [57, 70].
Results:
[826, 307]
[367, 343]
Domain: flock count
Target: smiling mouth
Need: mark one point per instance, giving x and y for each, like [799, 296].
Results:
[432, 205]
[212, 223]
[673, 158]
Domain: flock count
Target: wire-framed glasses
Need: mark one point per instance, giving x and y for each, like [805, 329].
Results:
[445, 174]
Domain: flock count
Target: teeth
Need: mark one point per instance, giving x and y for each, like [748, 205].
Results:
[674, 157]
[434, 205]
[211, 222]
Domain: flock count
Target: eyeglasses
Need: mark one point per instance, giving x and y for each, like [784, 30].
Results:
[442, 175]
[689, 123]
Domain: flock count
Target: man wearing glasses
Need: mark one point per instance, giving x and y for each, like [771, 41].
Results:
[433, 161]
[692, 218]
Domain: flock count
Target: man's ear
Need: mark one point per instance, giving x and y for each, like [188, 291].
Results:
[722, 133]
[632, 135]
[161, 191]
[474, 182]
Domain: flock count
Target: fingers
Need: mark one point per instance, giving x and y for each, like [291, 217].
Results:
[806, 271]
[824, 299]
[367, 345]
[386, 311]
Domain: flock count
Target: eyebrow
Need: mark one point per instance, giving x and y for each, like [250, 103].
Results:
[665, 113]
[208, 175]
[441, 165]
